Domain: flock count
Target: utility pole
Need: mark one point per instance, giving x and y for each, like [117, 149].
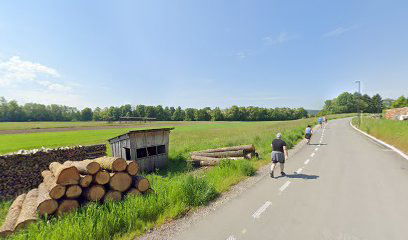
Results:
[358, 102]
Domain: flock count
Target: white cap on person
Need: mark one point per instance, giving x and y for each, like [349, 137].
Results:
[279, 135]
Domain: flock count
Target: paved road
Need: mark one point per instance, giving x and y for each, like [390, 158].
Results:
[349, 188]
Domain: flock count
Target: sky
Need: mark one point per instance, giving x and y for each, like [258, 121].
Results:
[201, 53]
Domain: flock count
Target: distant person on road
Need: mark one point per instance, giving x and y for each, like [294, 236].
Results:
[308, 134]
[325, 120]
[279, 154]
[320, 120]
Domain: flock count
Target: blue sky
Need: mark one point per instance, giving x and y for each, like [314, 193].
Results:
[201, 53]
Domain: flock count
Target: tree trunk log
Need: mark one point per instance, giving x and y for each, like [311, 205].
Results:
[14, 211]
[73, 191]
[86, 180]
[226, 154]
[205, 161]
[140, 183]
[246, 148]
[65, 175]
[66, 206]
[102, 177]
[56, 191]
[115, 164]
[28, 212]
[120, 181]
[94, 193]
[112, 196]
[132, 168]
[85, 167]
[45, 204]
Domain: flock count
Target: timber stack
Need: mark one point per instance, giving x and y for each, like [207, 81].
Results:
[212, 157]
[68, 185]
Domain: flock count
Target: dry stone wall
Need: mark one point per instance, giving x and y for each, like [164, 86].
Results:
[21, 171]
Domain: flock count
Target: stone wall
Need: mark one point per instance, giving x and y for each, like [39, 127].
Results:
[21, 171]
[395, 112]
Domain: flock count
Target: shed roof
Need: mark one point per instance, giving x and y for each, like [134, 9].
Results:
[144, 130]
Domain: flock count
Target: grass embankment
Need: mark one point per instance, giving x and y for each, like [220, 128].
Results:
[177, 191]
[390, 131]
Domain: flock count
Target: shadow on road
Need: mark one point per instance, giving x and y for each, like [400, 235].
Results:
[316, 144]
[300, 175]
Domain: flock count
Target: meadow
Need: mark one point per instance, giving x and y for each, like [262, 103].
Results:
[178, 189]
[45, 125]
[390, 131]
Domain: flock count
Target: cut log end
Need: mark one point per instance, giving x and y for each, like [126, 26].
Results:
[119, 165]
[132, 168]
[120, 181]
[64, 174]
[86, 180]
[102, 177]
[94, 193]
[73, 191]
[57, 192]
[47, 207]
[93, 167]
[67, 206]
[141, 183]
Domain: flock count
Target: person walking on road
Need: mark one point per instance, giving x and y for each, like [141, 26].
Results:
[308, 134]
[279, 154]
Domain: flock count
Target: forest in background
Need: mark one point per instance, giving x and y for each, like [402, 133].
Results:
[352, 102]
[11, 111]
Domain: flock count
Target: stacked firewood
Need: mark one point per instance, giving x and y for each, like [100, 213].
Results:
[67, 186]
[212, 157]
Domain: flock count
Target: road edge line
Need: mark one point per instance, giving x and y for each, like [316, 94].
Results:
[381, 142]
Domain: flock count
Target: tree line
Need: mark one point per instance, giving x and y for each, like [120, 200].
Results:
[352, 102]
[11, 111]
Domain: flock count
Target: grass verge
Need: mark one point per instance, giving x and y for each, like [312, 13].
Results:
[390, 131]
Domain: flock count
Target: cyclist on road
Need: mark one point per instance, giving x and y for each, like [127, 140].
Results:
[320, 120]
[308, 133]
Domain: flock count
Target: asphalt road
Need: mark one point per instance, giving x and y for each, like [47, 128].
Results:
[348, 188]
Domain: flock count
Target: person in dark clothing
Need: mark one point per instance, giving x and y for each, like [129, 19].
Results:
[279, 154]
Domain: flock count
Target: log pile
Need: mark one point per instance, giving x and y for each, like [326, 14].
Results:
[212, 157]
[68, 185]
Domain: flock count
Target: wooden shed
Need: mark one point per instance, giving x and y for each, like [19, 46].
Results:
[149, 147]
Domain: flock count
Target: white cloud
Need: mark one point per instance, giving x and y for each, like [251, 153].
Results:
[281, 38]
[339, 31]
[27, 81]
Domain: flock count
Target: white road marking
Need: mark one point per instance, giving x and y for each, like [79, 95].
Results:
[299, 170]
[231, 238]
[307, 161]
[260, 210]
[244, 231]
[316, 149]
[284, 186]
[312, 154]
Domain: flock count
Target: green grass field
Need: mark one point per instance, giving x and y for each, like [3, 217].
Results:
[390, 131]
[178, 189]
[45, 125]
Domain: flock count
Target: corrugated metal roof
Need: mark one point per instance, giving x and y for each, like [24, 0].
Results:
[144, 130]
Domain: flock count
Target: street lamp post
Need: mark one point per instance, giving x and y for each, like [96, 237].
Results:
[358, 102]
